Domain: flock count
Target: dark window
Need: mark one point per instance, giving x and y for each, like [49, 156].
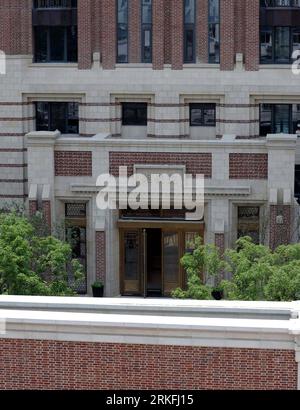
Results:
[134, 114]
[277, 44]
[122, 31]
[55, 4]
[55, 44]
[279, 118]
[248, 222]
[62, 116]
[189, 31]
[203, 115]
[146, 31]
[279, 3]
[214, 31]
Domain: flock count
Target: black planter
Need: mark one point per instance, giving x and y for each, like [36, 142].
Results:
[98, 292]
[217, 294]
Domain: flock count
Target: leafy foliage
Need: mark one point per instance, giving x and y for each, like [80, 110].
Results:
[257, 272]
[32, 263]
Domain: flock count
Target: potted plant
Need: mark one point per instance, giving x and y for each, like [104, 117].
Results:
[98, 289]
[217, 292]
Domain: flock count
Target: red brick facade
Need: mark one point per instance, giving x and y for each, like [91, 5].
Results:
[33, 208]
[195, 163]
[73, 163]
[100, 256]
[33, 364]
[46, 209]
[248, 166]
[97, 31]
[280, 225]
[220, 242]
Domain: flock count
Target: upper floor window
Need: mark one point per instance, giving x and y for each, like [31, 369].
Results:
[62, 116]
[277, 44]
[279, 118]
[202, 115]
[55, 4]
[134, 113]
[189, 30]
[214, 31]
[279, 3]
[122, 31]
[146, 31]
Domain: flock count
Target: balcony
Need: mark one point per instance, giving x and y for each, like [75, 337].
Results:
[280, 4]
[55, 4]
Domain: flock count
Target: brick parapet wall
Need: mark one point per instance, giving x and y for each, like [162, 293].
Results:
[100, 256]
[73, 163]
[248, 166]
[280, 225]
[42, 364]
[196, 163]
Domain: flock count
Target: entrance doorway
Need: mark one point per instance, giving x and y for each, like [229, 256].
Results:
[150, 257]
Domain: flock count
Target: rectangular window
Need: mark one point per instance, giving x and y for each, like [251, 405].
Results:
[146, 31]
[214, 31]
[56, 44]
[279, 118]
[122, 31]
[248, 222]
[62, 116]
[189, 31]
[277, 44]
[55, 4]
[134, 114]
[202, 115]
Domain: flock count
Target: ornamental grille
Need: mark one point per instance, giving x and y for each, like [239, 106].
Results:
[75, 210]
[55, 4]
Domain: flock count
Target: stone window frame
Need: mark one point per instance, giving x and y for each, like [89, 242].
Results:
[29, 107]
[263, 220]
[187, 99]
[116, 101]
[257, 99]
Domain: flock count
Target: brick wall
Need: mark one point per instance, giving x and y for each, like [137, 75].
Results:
[134, 31]
[227, 26]
[32, 364]
[202, 30]
[177, 35]
[33, 208]
[252, 35]
[158, 20]
[73, 163]
[220, 242]
[46, 210]
[100, 256]
[280, 233]
[85, 8]
[195, 163]
[108, 34]
[248, 166]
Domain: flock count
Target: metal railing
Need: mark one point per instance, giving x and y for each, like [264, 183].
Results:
[280, 3]
[55, 4]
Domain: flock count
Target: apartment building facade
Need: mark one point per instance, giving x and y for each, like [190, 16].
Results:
[165, 86]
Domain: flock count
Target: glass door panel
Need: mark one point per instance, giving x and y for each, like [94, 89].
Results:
[131, 262]
[171, 262]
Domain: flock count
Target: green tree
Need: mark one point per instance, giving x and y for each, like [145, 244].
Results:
[31, 263]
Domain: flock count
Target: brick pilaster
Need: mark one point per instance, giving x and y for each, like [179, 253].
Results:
[46, 210]
[202, 30]
[227, 34]
[280, 225]
[33, 208]
[177, 35]
[108, 34]
[220, 242]
[100, 256]
[135, 31]
[84, 34]
[252, 35]
[158, 34]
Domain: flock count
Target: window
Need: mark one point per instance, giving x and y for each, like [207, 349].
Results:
[189, 31]
[203, 115]
[122, 31]
[279, 118]
[62, 116]
[134, 114]
[146, 31]
[55, 4]
[214, 31]
[248, 222]
[279, 3]
[278, 43]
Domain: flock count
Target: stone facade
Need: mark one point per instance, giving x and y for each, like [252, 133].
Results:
[241, 168]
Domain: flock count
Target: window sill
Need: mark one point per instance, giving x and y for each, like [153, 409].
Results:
[53, 65]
